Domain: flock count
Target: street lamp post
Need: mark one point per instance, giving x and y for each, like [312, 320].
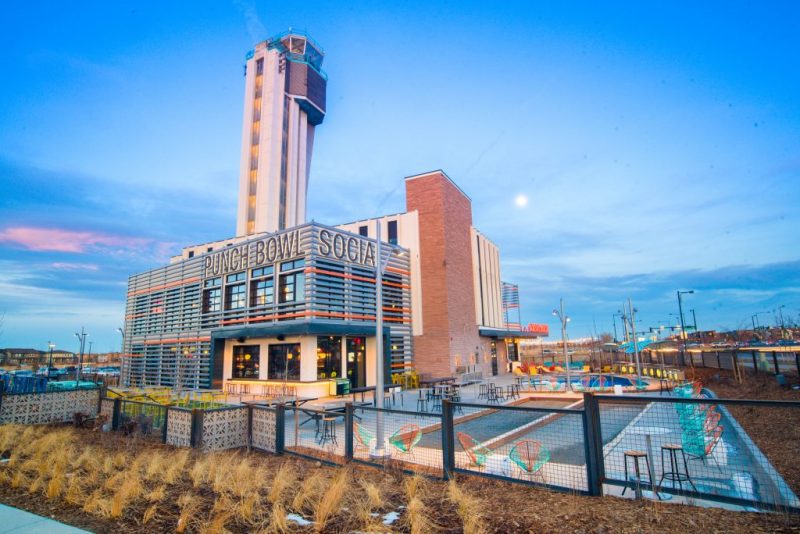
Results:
[683, 323]
[82, 338]
[564, 320]
[635, 341]
[50, 361]
[614, 319]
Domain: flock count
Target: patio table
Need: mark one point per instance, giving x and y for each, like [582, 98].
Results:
[648, 432]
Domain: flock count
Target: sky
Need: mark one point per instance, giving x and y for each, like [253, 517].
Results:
[657, 144]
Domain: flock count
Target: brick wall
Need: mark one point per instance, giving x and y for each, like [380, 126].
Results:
[448, 302]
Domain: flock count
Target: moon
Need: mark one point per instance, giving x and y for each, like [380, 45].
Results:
[521, 201]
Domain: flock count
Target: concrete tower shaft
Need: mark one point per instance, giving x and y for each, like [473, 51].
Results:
[284, 101]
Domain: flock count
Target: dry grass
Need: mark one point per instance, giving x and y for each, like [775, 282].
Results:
[331, 499]
[106, 483]
[469, 509]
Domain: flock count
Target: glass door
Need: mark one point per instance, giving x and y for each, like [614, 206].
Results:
[357, 361]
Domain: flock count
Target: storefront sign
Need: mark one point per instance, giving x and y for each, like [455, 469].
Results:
[537, 328]
[265, 251]
[346, 247]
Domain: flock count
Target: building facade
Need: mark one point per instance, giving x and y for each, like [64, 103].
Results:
[284, 102]
[297, 306]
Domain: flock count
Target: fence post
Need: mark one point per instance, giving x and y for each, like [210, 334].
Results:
[249, 427]
[197, 428]
[280, 428]
[164, 429]
[115, 414]
[592, 444]
[755, 363]
[775, 361]
[796, 364]
[448, 443]
[719, 363]
[348, 431]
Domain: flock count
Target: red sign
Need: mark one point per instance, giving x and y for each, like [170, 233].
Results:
[537, 328]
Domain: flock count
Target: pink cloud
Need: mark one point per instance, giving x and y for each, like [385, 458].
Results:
[60, 240]
[67, 266]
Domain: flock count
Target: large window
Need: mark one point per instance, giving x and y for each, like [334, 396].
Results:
[212, 300]
[363, 231]
[234, 297]
[261, 292]
[291, 286]
[245, 361]
[329, 357]
[284, 361]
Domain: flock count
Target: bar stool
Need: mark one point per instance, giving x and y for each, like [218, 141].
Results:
[512, 391]
[422, 402]
[437, 401]
[674, 474]
[635, 455]
[455, 396]
[328, 430]
[483, 391]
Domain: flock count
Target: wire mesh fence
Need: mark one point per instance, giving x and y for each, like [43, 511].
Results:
[143, 419]
[403, 439]
[315, 433]
[538, 445]
[692, 447]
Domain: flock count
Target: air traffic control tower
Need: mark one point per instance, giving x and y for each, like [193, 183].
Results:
[284, 102]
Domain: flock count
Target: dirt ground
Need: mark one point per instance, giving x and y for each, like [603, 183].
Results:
[776, 431]
[109, 483]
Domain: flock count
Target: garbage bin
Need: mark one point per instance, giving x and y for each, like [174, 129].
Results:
[342, 386]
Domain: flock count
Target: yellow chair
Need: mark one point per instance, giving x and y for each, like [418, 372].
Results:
[586, 368]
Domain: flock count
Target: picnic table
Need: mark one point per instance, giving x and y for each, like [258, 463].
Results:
[294, 401]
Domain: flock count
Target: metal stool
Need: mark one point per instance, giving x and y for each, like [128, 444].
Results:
[663, 385]
[512, 391]
[634, 455]
[674, 474]
[328, 430]
[422, 402]
[437, 401]
[483, 391]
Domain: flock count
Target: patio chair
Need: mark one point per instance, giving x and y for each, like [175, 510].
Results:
[363, 436]
[475, 450]
[530, 456]
[406, 438]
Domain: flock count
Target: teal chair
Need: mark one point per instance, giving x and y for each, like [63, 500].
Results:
[530, 456]
[476, 451]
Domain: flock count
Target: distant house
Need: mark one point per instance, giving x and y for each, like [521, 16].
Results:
[14, 356]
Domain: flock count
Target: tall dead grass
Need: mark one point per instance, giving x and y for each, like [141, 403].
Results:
[331, 499]
[469, 509]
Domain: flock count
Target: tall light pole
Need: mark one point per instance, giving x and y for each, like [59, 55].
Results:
[614, 319]
[380, 266]
[82, 338]
[632, 310]
[683, 323]
[50, 362]
[564, 320]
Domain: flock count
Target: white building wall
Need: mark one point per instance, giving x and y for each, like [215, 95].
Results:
[486, 278]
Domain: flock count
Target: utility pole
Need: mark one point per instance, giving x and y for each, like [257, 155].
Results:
[683, 323]
[50, 362]
[635, 341]
[614, 319]
[82, 338]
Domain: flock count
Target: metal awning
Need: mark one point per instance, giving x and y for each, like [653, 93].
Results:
[298, 328]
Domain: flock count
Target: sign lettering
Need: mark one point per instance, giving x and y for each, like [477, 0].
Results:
[264, 251]
[346, 247]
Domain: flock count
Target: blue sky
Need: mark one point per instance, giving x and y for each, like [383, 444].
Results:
[659, 146]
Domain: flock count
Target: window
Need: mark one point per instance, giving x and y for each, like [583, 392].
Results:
[261, 292]
[191, 253]
[263, 271]
[235, 297]
[212, 300]
[284, 362]
[292, 288]
[329, 357]
[362, 230]
[214, 282]
[209, 249]
[392, 227]
[236, 277]
[245, 361]
[291, 265]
